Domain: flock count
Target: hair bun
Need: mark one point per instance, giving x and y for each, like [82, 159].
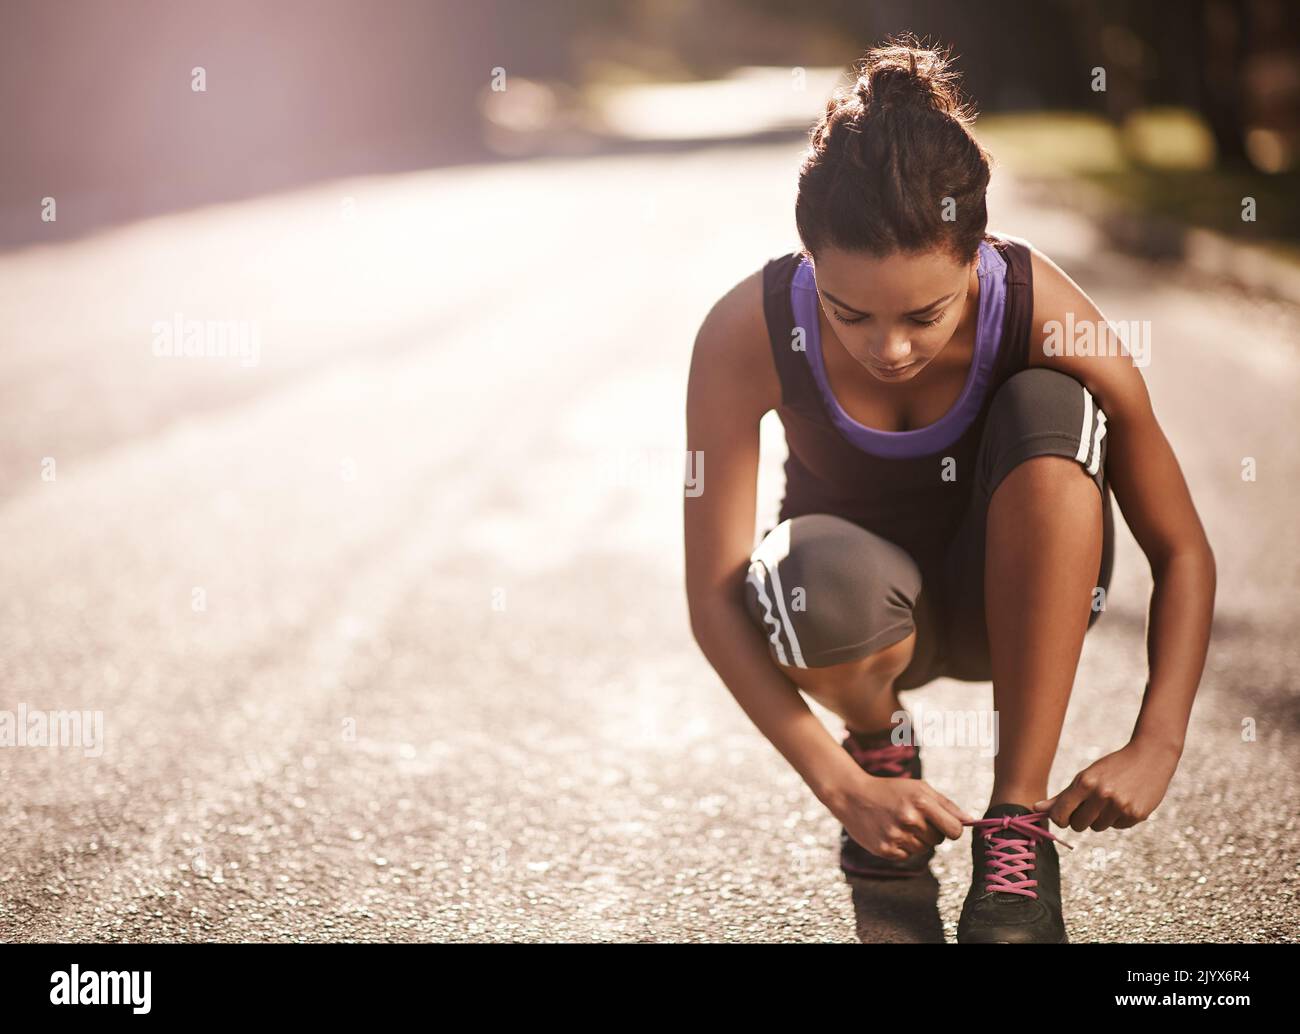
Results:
[905, 75]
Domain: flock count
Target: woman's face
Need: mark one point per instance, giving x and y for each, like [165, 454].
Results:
[894, 314]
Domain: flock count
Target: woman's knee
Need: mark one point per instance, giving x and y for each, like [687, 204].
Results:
[1042, 412]
[827, 592]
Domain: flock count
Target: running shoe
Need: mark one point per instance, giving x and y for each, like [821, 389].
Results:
[892, 760]
[1015, 893]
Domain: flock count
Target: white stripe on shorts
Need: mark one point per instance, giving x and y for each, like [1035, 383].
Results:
[755, 578]
[1096, 443]
[778, 623]
[785, 618]
[1085, 432]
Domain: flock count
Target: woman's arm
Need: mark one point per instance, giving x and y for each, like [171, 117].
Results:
[1153, 496]
[732, 384]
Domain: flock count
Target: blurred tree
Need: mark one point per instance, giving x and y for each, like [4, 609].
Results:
[1221, 42]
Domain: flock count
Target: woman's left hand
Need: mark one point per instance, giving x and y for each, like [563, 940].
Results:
[1119, 790]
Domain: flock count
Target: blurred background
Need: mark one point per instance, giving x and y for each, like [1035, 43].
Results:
[1201, 97]
[343, 351]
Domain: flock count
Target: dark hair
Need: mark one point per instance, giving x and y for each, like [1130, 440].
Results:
[886, 155]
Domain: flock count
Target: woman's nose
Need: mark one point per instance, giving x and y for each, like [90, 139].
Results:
[892, 352]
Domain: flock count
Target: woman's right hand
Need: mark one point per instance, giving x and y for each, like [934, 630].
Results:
[895, 818]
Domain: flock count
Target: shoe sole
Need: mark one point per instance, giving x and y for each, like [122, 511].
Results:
[889, 873]
[886, 874]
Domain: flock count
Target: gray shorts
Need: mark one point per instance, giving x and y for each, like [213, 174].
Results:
[825, 590]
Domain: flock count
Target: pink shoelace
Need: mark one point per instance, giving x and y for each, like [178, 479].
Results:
[1011, 858]
[892, 759]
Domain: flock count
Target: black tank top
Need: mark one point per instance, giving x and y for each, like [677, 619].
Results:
[897, 490]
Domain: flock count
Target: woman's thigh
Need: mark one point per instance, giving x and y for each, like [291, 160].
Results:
[826, 591]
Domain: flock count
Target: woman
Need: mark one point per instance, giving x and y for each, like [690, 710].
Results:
[947, 508]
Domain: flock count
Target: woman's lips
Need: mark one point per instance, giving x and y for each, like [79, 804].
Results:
[891, 371]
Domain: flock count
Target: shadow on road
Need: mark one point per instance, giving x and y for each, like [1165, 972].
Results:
[898, 911]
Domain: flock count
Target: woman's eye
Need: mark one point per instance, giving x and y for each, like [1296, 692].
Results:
[859, 319]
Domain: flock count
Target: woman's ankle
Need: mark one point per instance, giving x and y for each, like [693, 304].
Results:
[881, 718]
[1012, 795]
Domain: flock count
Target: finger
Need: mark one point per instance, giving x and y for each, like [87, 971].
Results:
[1088, 812]
[1111, 814]
[914, 846]
[1067, 801]
[942, 816]
[886, 849]
[959, 813]
[916, 824]
[1126, 821]
[931, 835]
[902, 846]
[924, 834]
[897, 844]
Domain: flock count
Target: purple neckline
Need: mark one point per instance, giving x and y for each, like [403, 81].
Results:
[931, 438]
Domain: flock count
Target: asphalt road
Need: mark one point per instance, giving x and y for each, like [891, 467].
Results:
[388, 631]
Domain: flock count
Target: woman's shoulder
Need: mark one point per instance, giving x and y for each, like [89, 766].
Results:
[1028, 265]
[733, 342]
[737, 315]
[1052, 294]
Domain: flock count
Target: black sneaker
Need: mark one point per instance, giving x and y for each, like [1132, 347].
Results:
[891, 760]
[1015, 893]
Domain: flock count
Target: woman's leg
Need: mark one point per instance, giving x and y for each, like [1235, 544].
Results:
[862, 692]
[1034, 547]
[1044, 550]
[840, 608]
